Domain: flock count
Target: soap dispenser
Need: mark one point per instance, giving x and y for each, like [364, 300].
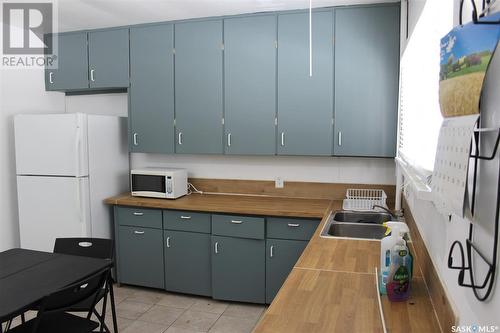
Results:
[397, 231]
[398, 283]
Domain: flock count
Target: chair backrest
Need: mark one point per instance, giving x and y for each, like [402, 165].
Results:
[88, 287]
[85, 247]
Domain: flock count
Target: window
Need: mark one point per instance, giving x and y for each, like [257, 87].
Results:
[420, 117]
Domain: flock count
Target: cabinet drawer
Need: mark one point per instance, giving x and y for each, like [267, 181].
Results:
[238, 226]
[290, 228]
[186, 221]
[140, 217]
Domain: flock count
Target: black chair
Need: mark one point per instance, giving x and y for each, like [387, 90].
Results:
[95, 248]
[52, 316]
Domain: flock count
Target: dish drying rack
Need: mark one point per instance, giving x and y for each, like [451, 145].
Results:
[364, 199]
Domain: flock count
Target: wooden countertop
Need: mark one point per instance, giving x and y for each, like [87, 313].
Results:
[324, 301]
[332, 286]
[236, 204]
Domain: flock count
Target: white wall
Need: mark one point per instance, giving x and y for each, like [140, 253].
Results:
[439, 233]
[314, 169]
[22, 91]
[107, 104]
[311, 169]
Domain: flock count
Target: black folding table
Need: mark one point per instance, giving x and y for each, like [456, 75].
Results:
[27, 276]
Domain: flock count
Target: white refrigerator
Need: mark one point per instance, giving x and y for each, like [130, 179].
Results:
[66, 165]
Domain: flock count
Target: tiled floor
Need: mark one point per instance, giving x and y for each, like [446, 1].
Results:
[142, 310]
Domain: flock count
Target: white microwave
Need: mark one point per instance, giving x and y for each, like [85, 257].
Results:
[159, 183]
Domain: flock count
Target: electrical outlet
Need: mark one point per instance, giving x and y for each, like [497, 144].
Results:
[279, 182]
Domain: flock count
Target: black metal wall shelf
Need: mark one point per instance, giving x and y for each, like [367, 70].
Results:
[466, 258]
[479, 18]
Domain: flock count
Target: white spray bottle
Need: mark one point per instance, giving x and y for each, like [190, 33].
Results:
[397, 230]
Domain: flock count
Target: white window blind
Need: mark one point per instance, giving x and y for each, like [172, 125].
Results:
[419, 113]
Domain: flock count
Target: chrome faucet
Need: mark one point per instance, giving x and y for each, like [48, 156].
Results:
[394, 216]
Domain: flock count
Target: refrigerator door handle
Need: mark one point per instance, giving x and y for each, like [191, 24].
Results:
[77, 147]
[85, 226]
[79, 201]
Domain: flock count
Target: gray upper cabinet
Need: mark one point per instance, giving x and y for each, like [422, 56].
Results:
[109, 58]
[198, 87]
[305, 104]
[366, 80]
[241, 85]
[72, 67]
[151, 94]
[250, 84]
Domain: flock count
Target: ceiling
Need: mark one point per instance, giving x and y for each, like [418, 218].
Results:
[91, 14]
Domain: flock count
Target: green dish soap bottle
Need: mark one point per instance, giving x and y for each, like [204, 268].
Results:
[398, 283]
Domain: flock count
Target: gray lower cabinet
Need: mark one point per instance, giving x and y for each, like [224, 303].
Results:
[281, 256]
[366, 80]
[238, 269]
[187, 262]
[305, 103]
[72, 63]
[250, 84]
[109, 58]
[140, 256]
[198, 87]
[151, 93]
[224, 256]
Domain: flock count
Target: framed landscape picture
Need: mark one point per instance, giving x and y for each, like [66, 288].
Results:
[466, 52]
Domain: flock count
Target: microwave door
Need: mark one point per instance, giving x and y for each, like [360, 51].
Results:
[149, 185]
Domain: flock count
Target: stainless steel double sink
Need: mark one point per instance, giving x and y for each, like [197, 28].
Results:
[361, 225]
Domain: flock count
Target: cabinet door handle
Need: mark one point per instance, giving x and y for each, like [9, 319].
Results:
[283, 138]
[179, 139]
[293, 225]
[229, 139]
[236, 221]
[135, 139]
[92, 75]
[168, 241]
[216, 247]
[138, 232]
[51, 77]
[138, 214]
[271, 251]
[340, 138]
[186, 217]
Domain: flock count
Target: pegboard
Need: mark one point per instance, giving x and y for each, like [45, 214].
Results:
[449, 178]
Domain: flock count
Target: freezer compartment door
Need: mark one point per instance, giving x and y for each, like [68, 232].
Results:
[51, 207]
[51, 145]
